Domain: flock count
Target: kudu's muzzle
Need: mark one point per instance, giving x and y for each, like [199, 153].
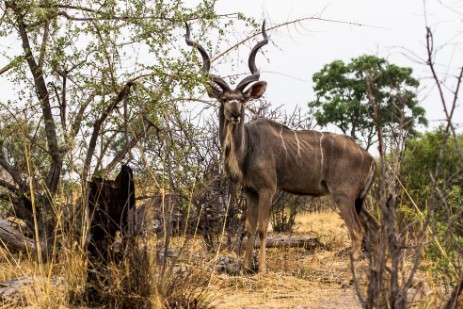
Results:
[235, 117]
[233, 111]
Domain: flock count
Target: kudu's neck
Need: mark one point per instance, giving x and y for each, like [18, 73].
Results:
[233, 142]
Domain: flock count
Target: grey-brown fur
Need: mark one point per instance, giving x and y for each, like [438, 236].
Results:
[265, 156]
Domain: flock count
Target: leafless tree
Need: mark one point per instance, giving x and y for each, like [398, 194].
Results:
[389, 280]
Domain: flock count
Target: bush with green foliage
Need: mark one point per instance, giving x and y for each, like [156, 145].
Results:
[422, 157]
[342, 98]
[431, 172]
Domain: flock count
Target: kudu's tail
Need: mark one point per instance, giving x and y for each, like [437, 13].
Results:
[363, 194]
[363, 212]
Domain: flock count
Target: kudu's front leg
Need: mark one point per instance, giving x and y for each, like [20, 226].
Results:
[265, 205]
[252, 202]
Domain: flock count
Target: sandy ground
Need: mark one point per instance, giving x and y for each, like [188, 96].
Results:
[296, 278]
[285, 292]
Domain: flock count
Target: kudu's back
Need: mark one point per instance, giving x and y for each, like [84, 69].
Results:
[306, 162]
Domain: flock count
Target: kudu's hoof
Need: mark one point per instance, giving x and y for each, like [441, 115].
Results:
[249, 271]
[252, 269]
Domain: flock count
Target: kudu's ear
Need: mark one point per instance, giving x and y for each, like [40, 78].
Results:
[255, 91]
[213, 91]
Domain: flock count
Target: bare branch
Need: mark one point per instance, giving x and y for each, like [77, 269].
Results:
[7, 185]
[97, 126]
[285, 24]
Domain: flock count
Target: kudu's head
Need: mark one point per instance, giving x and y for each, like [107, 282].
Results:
[232, 101]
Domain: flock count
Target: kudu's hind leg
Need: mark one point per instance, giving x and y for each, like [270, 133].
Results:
[346, 206]
[252, 202]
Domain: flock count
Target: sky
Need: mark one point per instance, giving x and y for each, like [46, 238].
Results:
[342, 29]
[394, 30]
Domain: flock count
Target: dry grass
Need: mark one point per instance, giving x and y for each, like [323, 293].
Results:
[297, 278]
[301, 279]
[327, 224]
[310, 289]
[38, 286]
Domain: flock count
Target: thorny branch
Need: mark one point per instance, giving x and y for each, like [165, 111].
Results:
[137, 136]
[101, 15]
[449, 114]
[388, 284]
[449, 131]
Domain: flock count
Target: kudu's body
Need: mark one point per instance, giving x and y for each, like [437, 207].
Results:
[265, 156]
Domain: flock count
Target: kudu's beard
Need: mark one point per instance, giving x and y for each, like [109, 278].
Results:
[234, 121]
[230, 154]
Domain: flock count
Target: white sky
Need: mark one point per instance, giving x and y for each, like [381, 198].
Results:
[390, 29]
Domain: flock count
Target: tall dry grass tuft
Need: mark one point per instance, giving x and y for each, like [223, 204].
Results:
[184, 286]
[123, 284]
[138, 279]
[181, 272]
[57, 283]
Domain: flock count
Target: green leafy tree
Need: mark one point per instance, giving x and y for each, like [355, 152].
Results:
[343, 98]
[87, 82]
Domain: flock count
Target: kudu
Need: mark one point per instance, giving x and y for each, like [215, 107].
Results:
[265, 156]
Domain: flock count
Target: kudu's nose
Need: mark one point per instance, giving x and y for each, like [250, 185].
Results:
[236, 116]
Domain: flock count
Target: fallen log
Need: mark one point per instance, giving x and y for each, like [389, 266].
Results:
[306, 242]
[14, 240]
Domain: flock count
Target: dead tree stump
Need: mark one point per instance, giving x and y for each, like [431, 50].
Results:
[111, 205]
